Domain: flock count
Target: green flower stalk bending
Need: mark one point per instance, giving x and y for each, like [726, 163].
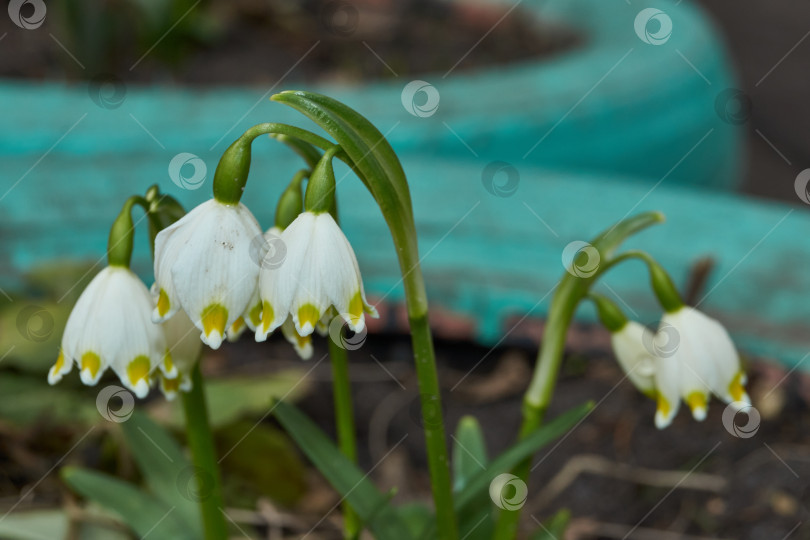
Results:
[361, 146]
[571, 290]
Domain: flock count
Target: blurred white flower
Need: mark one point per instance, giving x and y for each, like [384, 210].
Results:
[704, 361]
[634, 357]
[185, 348]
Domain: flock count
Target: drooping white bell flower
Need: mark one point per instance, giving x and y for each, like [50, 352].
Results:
[319, 271]
[183, 342]
[111, 327]
[631, 350]
[702, 361]
[203, 265]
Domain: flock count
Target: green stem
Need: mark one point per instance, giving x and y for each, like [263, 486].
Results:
[398, 214]
[344, 421]
[570, 292]
[433, 421]
[203, 454]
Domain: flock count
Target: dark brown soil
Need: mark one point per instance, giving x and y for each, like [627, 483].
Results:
[255, 42]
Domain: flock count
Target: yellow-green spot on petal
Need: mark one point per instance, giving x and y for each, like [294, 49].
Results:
[651, 393]
[139, 369]
[308, 314]
[255, 314]
[267, 315]
[735, 388]
[91, 363]
[237, 325]
[214, 318]
[696, 401]
[168, 364]
[663, 405]
[60, 362]
[356, 308]
[170, 386]
[163, 304]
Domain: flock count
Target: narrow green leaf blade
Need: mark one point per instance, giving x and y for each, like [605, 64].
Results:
[554, 528]
[372, 155]
[522, 450]
[469, 459]
[469, 452]
[146, 515]
[164, 467]
[371, 505]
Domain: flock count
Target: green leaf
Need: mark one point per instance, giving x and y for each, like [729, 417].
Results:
[260, 461]
[371, 155]
[522, 450]
[164, 467]
[554, 528]
[145, 514]
[40, 524]
[308, 152]
[609, 240]
[371, 505]
[236, 397]
[469, 452]
[469, 459]
[30, 398]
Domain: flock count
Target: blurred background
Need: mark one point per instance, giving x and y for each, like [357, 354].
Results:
[524, 127]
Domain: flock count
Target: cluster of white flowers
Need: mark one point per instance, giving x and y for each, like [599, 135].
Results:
[690, 357]
[206, 277]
